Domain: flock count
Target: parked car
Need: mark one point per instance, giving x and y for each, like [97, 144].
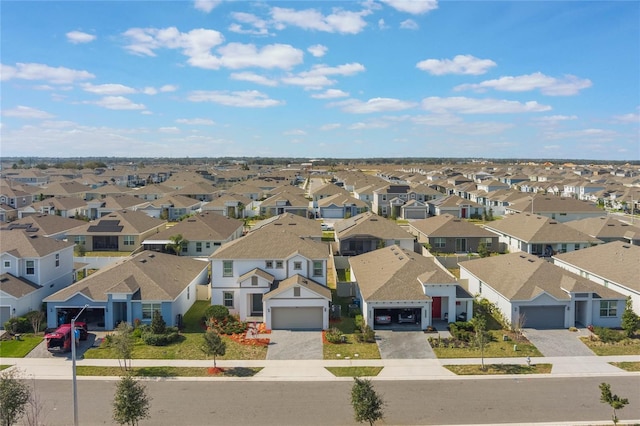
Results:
[383, 318]
[407, 316]
[326, 226]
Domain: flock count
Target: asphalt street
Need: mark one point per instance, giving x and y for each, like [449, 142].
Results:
[524, 399]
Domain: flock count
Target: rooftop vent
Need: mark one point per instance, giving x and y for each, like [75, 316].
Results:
[626, 246]
[143, 260]
[553, 222]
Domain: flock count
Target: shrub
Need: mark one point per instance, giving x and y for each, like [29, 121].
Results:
[158, 324]
[334, 335]
[367, 335]
[607, 335]
[137, 333]
[18, 325]
[152, 339]
[462, 331]
[217, 312]
[354, 312]
[359, 322]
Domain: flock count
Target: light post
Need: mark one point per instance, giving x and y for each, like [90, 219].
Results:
[73, 365]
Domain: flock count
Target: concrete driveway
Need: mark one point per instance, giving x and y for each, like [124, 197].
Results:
[558, 342]
[403, 345]
[41, 351]
[287, 344]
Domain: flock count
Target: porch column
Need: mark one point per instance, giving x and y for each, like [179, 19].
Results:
[469, 309]
[451, 308]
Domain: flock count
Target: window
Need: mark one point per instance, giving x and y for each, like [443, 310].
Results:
[80, 239]
[480, 287]
[576, 246]
[188, 292]
[608, 308]
[317, 269]
[7, 264]
[563, 248]
[278, 264]
[208, 244]
[297, 266]
[31, 267]
[228, 299]
[396, 242]
[227, 268]
[439, 242]
[129, 240]
[296, 292]
[198, 247]
[148, 309]
[57, 259]
[488, 242]
[254, 280]
[184, 246]
[268, 264]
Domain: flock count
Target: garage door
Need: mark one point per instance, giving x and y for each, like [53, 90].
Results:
[296, 318]
[5, 315]
[543, 316]
[332, 213]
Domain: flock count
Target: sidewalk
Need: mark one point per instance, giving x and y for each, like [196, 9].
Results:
[314, 370]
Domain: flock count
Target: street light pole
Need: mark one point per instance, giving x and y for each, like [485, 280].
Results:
[73, 365]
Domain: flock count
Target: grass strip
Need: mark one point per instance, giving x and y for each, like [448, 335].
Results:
[632, 366]
[163, 371]
[354, 371]
[491, 369]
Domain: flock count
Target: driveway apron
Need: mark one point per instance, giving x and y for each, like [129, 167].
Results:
[285, 344]
[403, 345]
[558, 342]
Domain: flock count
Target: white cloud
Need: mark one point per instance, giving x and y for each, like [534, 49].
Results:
[368, 125]
[464, 105]
[150, 91]
[246, 99]
[553, 119]
[171, 129]
[168, 88]
[108, 89]
[592, 134]
[238, 55]
[259, 26]
[196, 121]
[53, 75]
[460, 64]
[318, 50]
[195, 43]
[117, 102]
[253, 78]
[381, 24]
[316, 77]
[373, 105]
[409, 24]
[414, 7]
[77, 37]
[632, 117]
[294, 132]
[330, 126]
[340, 21]
[26, 112]
[206, 6]
[551, 86]
[437, 120]
[480, 128]
[330, 94]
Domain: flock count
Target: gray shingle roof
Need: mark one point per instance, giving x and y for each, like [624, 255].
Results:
[133, 222]
[22, 244]
[15, 286]
[297, 279]
[370, 224]
[206, 226]
[447, 225]
[534, 229]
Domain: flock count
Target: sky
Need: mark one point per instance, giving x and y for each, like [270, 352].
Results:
[320, 79]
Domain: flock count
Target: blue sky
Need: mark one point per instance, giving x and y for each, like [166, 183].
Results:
[343, 79]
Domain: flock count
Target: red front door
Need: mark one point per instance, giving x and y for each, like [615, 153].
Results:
[435, 307]
[464, 213]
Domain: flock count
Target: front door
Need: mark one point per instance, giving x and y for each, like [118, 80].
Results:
[256, 304]
[436, 307]
[461, 245]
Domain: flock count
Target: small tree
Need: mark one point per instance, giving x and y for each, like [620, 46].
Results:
[35, 318]
[158, 324]
[483, 251]
[14, 396]
[480, 326]
[131, 403]
[616, 403]
[122, 342]
[176, 244]
[213, 345]
[629, 319]
[367, 404]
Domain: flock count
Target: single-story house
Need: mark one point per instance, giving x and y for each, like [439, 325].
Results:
[449, 234]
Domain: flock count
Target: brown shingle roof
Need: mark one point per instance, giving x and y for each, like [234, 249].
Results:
[534, 229]
[16, 287]
[447, 225]
[23, 244]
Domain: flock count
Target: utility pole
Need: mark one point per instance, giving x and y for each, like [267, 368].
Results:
[73, 365]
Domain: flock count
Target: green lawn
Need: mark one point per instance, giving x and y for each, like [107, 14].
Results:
[19, 348]
[4, 366]
[188, 347]
[354, 371]
[464, 370]
[192, 319]
[166, 371]
[624, 347]
[628, 366]
[497, 348]
[351, 347]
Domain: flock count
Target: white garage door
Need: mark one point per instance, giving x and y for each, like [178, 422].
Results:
[332, 213]
[543, 316]
[296, 318]
[5, 315]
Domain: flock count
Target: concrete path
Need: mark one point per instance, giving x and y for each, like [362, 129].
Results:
[557, 343]
[403, 345]
[287, 345]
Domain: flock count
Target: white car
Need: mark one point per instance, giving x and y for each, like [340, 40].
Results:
[326, 227]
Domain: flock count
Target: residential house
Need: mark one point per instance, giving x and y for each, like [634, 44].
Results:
[230, 205]
[393, 280]
[557, 208]
[448, 234]
[367, 232]
[51, 226]
[285, 202]
[172, 207]
[131, 289]
[118, 231]
[607, 229]
[387, 200]
[14, 197]
[33, 267]
[456, 206]
[339, 206]
[68, 207]
[152, 192]
[65, 189]
[99, 207]
[29, 177]
[275, 276]
[531, 292]
[538, 235]
[301, 226]
[614, 265]
[202, 234]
